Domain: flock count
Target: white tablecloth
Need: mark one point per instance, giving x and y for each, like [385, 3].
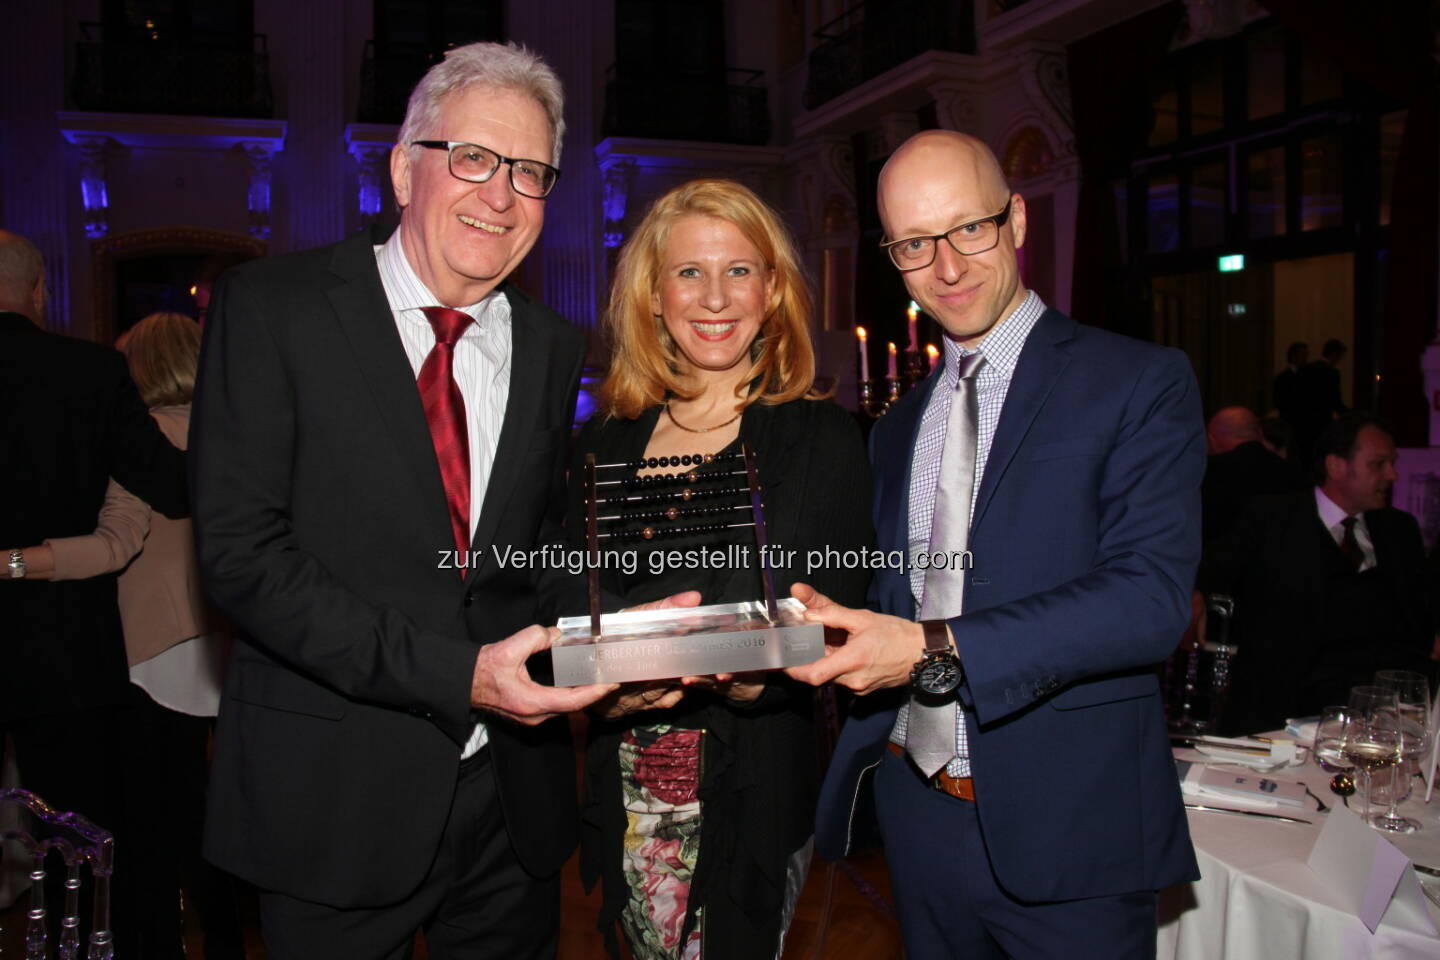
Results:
[1257, 899]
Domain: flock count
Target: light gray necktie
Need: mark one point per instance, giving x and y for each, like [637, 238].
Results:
[930, 728]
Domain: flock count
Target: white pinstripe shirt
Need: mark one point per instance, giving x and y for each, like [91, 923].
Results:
[1001, 346]
[481, 369]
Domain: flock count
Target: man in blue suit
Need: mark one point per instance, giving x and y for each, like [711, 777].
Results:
[1044, 483]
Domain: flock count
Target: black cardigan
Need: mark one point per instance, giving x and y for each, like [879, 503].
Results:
[760, 771]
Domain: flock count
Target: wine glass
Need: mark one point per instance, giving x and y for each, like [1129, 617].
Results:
[1412, 691]
[1372, 733]
[1329, 746]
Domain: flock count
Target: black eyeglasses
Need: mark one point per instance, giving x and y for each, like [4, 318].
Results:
[968, 239]
[477, 164]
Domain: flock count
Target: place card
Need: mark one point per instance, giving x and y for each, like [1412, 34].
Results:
[1369, 873]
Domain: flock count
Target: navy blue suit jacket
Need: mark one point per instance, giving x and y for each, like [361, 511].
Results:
[1085, 540]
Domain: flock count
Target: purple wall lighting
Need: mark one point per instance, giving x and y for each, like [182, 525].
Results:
[618, 174]
[257, 197]
[94, 196]
[370, 145]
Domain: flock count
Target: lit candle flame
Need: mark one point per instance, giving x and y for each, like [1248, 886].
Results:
[860, 332]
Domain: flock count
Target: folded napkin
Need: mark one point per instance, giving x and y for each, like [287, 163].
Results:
[1302, 728]
[1282, 753]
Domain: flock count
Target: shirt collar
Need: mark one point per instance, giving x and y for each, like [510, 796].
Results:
[1330, 513]
[407, 292]
[1002, 345]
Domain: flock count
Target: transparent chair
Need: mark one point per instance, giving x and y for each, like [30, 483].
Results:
[1197, 676]
[77, 841]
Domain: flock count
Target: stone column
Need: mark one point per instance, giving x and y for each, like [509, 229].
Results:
[33, 189]
[572, 242]
[308, 52]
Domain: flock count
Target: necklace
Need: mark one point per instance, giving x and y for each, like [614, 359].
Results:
[682, 426]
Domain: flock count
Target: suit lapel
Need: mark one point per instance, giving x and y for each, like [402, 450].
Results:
[529, 346]
[1042, 360]
[365, 317]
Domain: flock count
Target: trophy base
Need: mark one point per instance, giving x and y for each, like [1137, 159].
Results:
[691, 641]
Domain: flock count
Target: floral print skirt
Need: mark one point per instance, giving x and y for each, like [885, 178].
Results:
[660, 778]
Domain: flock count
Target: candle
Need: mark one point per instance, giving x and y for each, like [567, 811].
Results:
[933, 353]
[914, 341]
[890, 368]
[861, 343]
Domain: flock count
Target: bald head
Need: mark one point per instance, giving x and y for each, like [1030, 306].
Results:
[946, 154]
[22, 276]
[1231, 427]
[938, 181]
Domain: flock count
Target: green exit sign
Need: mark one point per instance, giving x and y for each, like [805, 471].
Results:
[1231, 263]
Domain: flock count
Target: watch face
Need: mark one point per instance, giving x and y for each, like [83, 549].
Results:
[938, 675]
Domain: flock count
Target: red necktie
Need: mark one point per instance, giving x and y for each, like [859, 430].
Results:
[445, 412]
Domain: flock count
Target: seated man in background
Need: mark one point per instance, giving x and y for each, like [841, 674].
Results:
[1240, 466]
[1330, 583]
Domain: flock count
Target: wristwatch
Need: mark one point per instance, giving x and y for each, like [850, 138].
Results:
[939, 671]
[17, 565]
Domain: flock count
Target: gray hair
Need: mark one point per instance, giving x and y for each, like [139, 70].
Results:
[506, 66]
[20, 268]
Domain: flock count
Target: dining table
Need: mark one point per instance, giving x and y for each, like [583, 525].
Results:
[1258, 899]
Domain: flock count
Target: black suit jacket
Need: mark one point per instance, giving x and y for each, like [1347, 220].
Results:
[1317, 402]
[321, 520]
[73, 420]
[1285, 393]
[1308, 627]
[1233, 477]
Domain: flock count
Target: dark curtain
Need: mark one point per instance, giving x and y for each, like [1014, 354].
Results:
[1387, 45]
[1109, 92]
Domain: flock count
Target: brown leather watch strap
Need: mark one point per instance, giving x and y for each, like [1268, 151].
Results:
[937, 635]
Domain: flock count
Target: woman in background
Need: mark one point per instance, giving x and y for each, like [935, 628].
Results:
[699, 797]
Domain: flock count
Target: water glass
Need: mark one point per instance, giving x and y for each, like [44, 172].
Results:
[1329, 749]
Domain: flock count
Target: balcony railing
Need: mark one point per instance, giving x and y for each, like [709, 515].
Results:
[863, 42]
[193, 76]
[681, 108]
[388, 72]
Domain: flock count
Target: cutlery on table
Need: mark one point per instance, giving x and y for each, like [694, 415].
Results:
[1244, 813]
[1320, 806]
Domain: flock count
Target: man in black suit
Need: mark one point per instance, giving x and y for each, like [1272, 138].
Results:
[377, 424]
[1285, 389]
[1330, 583]
[72, 420]
[1240, 466]
[1318, 396]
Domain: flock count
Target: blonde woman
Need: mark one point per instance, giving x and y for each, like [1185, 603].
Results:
[709, 320]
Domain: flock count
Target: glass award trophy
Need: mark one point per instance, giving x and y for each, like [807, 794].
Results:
[709, 494]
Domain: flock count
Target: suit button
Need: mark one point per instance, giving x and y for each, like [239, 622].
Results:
[469, 598]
